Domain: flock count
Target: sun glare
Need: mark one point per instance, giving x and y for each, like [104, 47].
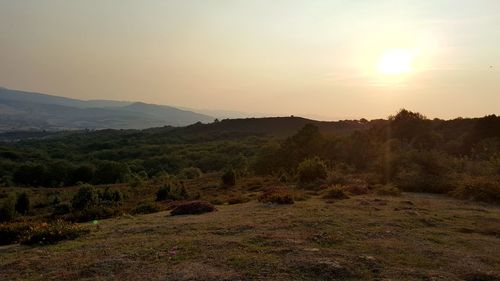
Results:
[395, 61]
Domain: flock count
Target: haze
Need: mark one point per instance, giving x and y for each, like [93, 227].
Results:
[324, 59]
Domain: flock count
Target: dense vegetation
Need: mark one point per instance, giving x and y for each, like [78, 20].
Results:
[406, 152]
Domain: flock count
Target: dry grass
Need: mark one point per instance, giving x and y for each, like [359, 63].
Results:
[413, 237]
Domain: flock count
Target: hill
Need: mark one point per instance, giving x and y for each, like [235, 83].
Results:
[34, 111]
[273, 126]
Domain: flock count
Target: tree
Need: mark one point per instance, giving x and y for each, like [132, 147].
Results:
[407, 125]
[22, 203]
[229, 177]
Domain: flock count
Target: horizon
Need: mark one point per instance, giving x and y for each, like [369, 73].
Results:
[245, 115]
[280, 59]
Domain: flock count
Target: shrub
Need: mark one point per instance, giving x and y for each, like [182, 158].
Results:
[357, 188]
[29, 233]
[229, 178]
[190, 173]
[136, 181]
[86, 197]
[335, 192]
[193, 207]
[479, 189]
[388, 190]
[61, 209]
[311, 170]
[23, 203]
[337, 177]
[93, 213]
[111, 196]
[51, 233]
[146, 208]
[276, 196]
[167, 192]
[163, 193]
[56, 200]
[8, 209]
[11, 233]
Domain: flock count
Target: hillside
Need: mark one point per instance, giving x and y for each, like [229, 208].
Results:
[34, 111]
[274, 126]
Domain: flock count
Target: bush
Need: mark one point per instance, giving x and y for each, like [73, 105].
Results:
[111, 196]
[167, 192]
[8, 209]
[86, 197]
[388, 190]
[93, 213]
[136, 181]
[335, 192]
[146, 208]
[190, 173]
[23, 203]
[229, 178]
[276, 196]
[29, 233]
[45, 233]
[311, 170]
[357, 188]
[11, 233]
[193, 207]
[61, 209]
[479, 189]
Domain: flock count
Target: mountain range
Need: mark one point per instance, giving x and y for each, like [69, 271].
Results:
[29, 111]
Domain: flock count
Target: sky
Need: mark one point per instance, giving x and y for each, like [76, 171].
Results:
[325, 59]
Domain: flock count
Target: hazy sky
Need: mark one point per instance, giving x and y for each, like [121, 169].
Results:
[312, 58]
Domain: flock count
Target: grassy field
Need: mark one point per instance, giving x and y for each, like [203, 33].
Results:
[412, 237]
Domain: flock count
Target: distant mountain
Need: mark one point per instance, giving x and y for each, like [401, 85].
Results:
[35, 111]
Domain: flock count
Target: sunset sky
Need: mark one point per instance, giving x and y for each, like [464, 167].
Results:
[322, 59]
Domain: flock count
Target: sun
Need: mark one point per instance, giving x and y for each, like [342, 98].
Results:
[395, 61]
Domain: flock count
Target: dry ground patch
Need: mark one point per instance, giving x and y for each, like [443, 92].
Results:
[413, 237]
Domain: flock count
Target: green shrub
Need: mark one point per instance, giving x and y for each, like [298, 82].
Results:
[335, 192]
[136, 181]
[167, 192]
[146, 208]
[311, 170]
[111, 196]
[193, 207]
[86, 197]
[190, 173]
[61, 209]
[56, 200]
[229, 178]
[8, 209]
[23, 203]
[388, 190]
[276, 196]
[93, 213]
